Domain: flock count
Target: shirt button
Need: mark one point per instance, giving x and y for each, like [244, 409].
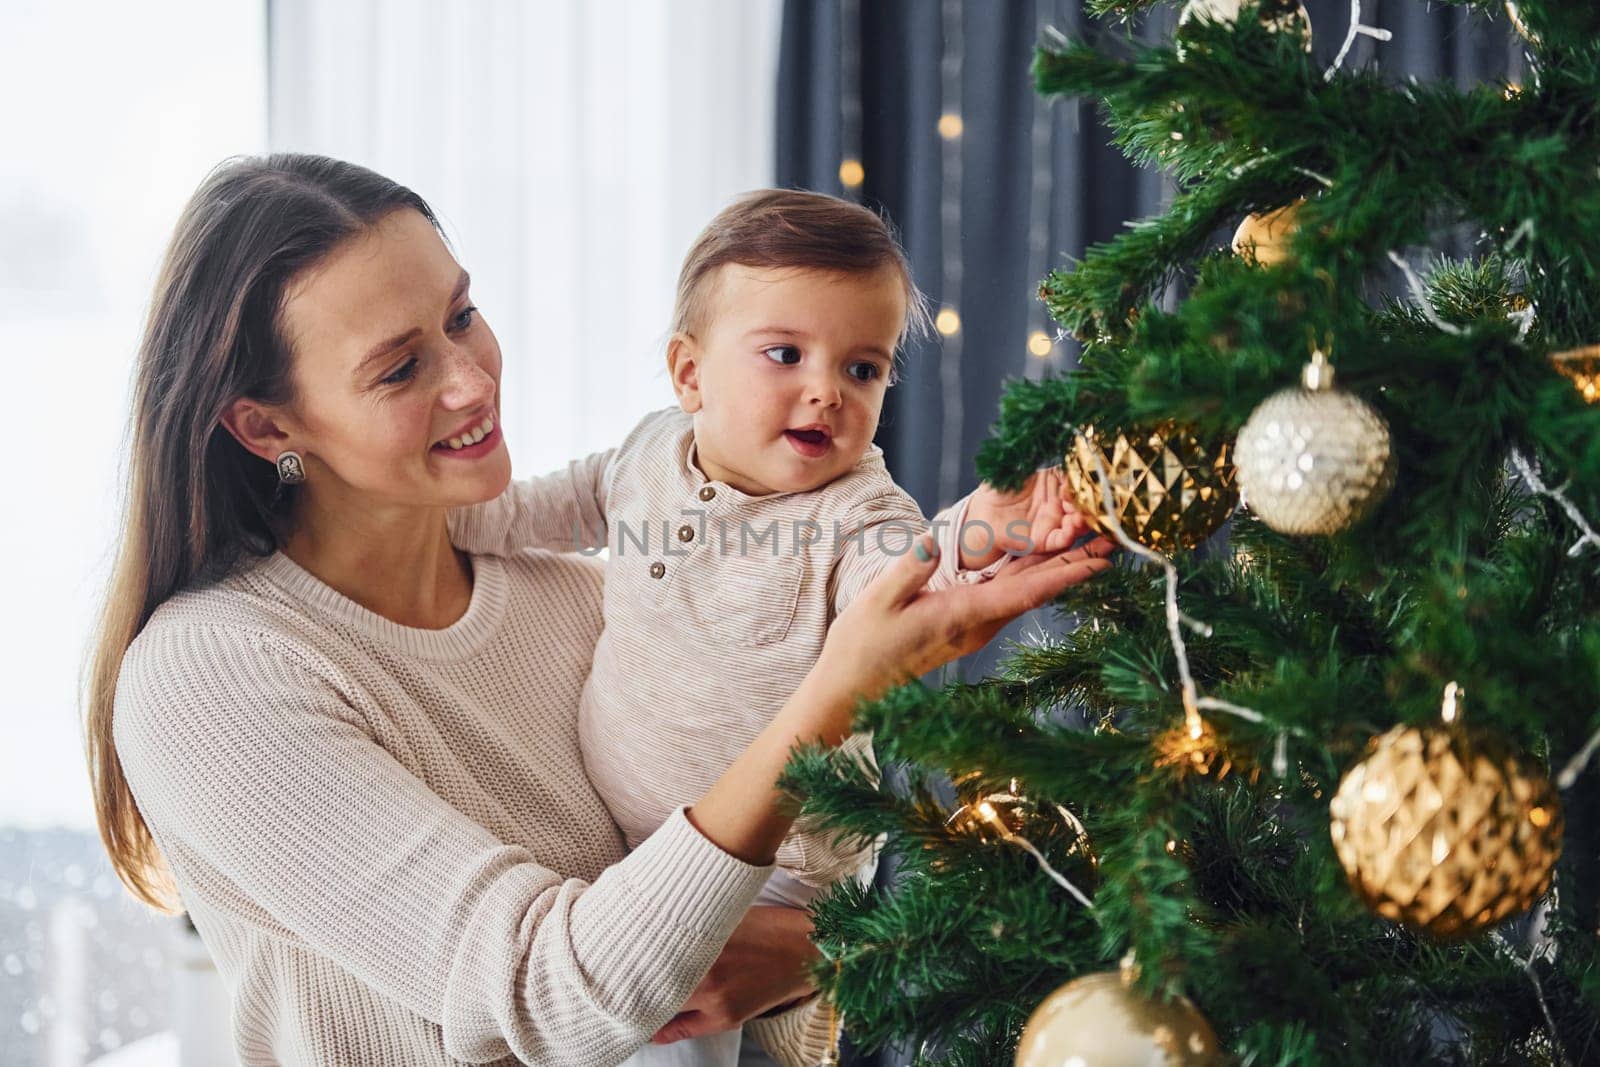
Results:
[657, 569]
[706, 492]
[686, 532]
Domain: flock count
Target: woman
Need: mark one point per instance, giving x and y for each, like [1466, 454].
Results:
[348, 749]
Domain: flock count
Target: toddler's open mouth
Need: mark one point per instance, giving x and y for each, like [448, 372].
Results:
[810, 441]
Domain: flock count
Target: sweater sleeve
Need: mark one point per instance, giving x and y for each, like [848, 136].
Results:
[887, 522]
[270, 794]
[802, 1036]
[563, 511]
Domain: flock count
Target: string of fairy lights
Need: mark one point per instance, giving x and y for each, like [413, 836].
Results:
[1043, 334]
[1042, 342]
[948, 319]
[852, 174]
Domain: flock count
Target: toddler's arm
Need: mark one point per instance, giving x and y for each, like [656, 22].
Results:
[888, 525]
[564, 510]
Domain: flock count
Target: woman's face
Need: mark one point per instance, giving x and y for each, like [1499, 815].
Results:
[391, 364]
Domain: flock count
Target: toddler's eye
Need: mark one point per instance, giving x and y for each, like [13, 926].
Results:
[405, 372]
[782, 353]
[865, 372]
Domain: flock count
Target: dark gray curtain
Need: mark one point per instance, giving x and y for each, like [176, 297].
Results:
[869, 79]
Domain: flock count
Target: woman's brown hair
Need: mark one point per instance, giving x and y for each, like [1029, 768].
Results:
[196, 501]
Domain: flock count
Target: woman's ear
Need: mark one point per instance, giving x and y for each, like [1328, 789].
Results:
[258, 428]
[683, 365]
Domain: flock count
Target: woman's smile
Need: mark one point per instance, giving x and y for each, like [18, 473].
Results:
[477, 439]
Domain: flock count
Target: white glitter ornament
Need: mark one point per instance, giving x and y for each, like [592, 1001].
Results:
[1316, 459]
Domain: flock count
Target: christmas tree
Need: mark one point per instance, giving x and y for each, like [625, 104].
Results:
[1320, 794]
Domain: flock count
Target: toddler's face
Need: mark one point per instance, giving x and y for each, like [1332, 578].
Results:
[787, 376]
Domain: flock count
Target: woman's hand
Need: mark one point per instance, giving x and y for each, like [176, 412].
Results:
[897, 630]
[764, 965]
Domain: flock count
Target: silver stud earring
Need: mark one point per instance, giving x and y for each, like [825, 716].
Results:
[291, 471]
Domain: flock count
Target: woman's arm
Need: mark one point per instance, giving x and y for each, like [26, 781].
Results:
[285, 813]
[267, 790]
[894, 631]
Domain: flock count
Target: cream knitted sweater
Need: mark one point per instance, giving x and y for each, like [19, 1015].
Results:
[385, 835]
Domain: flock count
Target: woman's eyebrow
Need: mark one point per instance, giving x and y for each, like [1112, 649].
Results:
[383, 348]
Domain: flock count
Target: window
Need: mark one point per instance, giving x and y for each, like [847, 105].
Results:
[115, 112]
[572, 148]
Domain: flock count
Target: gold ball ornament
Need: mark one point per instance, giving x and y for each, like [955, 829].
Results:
[991, 816]
[1169, 489]
[1264, 238]
[1582, 366]
[1444, 829]
[1279, 16]
[1316, 459]
[1100, 1020]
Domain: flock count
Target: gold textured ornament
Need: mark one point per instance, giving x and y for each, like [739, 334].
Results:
[1316, 459]
[1582, 366]
[1169, 489]
[1279, 16]
[1100, 1020]
[1443, 828]
[1264, 238]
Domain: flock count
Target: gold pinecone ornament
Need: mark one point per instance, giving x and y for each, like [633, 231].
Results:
[1444, 829]
[1100, 1020]
[1169, 489]
[1316, 459]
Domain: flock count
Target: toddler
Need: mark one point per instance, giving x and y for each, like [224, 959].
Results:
[742, 521]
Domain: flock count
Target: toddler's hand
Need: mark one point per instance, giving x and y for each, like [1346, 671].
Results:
[1035, 519]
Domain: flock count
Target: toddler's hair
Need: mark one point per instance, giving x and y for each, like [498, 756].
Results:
[793, 228]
